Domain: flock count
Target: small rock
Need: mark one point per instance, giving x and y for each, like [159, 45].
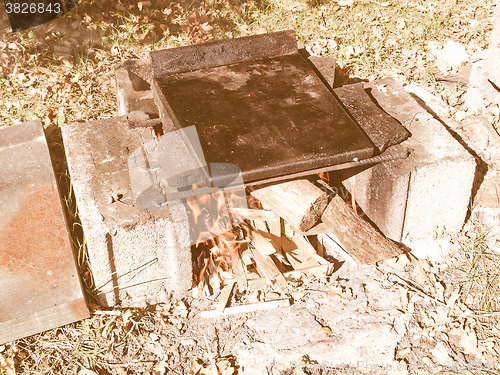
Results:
[442, 353]
[454, 53]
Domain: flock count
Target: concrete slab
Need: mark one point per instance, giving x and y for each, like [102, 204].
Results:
[364, 330]
[383, 130]
[137, 256]
[39, 283]
[412, 199]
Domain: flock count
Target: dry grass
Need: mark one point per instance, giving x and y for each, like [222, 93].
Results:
[63, 72]
[478, 273]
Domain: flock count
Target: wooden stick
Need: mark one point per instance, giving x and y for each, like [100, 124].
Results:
[356, 235]
[243, 309]
[238, 269]
[299, 202]
[318, 271]
[224, 296]
[253, 214]
[268, 269]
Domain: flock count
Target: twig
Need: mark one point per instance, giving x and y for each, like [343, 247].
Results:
[246, 308]
[211, 356]
[408, 284]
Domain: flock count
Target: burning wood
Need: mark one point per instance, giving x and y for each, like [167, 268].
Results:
[264, 250]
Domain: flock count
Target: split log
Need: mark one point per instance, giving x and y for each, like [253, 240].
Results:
[358, 237]
[266, 266]
[299, 252]
[299, 202]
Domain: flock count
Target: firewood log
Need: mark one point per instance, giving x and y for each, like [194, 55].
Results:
[358, 237]
[299, 202]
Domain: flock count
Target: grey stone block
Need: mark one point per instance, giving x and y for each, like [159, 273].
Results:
[39, 284]
[133, 88]
[411, 199]
[325, 67]
[365, 330]
[137, 256]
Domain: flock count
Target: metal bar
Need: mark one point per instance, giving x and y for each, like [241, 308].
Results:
[387, 156]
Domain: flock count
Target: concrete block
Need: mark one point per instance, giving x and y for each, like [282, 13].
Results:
[39, 283]
[137, 256]
[412, 199]
[133, 88]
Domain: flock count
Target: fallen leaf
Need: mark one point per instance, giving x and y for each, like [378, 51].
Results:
[418, 273]
[239, 323]
[180, 308]
[468, 342]
[440, 315]
[160, 368]
[341, 291]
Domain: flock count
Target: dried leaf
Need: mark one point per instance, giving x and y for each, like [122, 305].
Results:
[418, 274]
[341, 291]
[180, 308]
[468, 342]
[7, 365]
[239, 323]
[440, 315]
[160, 368]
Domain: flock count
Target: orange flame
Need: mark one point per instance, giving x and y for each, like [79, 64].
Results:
[217, 228]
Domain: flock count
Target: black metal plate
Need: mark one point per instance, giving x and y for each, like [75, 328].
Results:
[270, 116]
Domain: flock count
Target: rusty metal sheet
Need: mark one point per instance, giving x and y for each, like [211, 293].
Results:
[39, 283]
[270, 116]
[230, 51]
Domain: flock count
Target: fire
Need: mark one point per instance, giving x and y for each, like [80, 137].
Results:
[218, 232]
[325, 176]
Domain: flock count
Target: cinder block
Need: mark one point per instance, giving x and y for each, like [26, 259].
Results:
[137, 256]
[410, 200]
[133, 88]
[39, 284]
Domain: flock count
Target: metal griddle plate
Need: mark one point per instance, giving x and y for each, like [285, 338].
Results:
[271, 116]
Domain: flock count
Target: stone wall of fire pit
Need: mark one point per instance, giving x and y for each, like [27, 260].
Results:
[137, 257]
